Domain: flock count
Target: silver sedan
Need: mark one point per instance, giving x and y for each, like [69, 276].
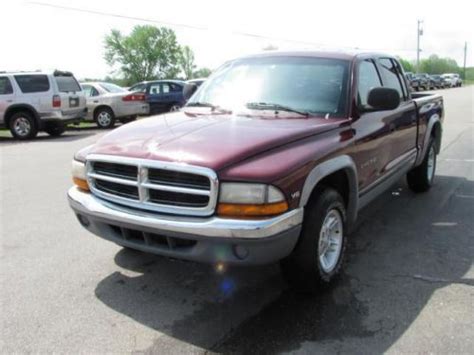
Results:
[108, 102]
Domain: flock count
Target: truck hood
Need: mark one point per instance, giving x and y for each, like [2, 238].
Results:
[210, 140]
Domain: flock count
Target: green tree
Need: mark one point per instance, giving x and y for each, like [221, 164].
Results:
[407, 66]
[186, 62]
[437, 65]
[147, 53]
[202, 73]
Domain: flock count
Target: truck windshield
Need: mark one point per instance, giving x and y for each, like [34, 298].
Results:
[318, 86]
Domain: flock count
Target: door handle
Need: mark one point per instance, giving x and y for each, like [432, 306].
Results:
[96, 101]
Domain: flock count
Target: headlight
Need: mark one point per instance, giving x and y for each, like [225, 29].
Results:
[79, 175]
[250, 200]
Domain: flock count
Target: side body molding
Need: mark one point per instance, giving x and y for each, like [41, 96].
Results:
[326, 168]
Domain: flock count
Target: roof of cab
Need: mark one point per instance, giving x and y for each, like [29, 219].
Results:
[342, 55]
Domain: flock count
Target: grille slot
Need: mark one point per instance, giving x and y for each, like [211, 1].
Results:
[128, 172]
[152, 185]
[178, 199]
[151, 239]
[114, 188]
[177, 178]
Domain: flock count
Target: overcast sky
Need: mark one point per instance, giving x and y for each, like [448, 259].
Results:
[41, 37]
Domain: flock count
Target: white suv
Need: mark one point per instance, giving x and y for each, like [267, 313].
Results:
[37, 101]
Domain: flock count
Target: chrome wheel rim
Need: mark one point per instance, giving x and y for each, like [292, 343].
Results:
[22, 126]
[330, 241]
[431, 163]
[104, 118]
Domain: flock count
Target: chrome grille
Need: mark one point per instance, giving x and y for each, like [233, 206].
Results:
[153, 185]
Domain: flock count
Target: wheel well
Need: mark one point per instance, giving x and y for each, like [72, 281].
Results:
[436, 134]
[100, 107]
[338, 181]
[11, 111]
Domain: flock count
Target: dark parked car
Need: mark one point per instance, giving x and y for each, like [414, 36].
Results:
[162, 95]
[426, 82]
[439, 82]
[413, 81]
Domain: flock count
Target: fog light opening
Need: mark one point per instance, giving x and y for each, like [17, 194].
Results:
[84, 221]
[240, 252]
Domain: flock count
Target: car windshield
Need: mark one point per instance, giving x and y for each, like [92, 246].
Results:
[317, 86]
[112, 88]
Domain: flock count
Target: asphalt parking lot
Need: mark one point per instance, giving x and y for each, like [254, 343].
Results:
[408, 285]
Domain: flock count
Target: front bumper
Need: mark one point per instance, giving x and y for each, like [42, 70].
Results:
[210, 240]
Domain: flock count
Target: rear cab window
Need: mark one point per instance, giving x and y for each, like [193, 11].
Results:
[67, 83]
[5, 86]
[32, 83]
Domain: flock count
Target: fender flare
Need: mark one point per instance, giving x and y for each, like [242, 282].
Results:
[435, 119]
[19, 107]
[326, 168]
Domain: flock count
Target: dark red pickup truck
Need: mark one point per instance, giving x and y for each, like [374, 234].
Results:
[270, 160]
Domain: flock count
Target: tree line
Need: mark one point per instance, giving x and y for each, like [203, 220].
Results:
[150, 53]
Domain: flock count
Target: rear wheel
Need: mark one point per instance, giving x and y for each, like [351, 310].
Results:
[175, 108]
[420, 179]
[104, 117]
[23, 125]
[55, 129]
[319, 254]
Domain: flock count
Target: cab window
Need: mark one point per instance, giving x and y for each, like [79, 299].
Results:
[391, 75]
[368, 78]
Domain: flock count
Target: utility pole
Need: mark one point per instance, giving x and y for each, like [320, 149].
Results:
[465, 55]
[419, 33]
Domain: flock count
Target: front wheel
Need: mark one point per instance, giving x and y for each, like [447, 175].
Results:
[420, 179]
[319, 254]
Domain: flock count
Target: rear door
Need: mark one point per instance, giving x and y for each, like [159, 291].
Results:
[402, 121]
[92, 99]
[153, 97]
[7, 96]
[36, 90]
[72, 97]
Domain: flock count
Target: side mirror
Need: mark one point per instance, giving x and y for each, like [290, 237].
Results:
[189, 90]
[383, 99]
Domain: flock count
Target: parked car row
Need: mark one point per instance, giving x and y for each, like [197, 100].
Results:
[48, 101]
[424, 81]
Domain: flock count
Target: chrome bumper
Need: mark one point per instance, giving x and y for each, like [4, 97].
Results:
[89, 206]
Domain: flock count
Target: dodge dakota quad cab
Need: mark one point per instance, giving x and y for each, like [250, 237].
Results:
[270, 160]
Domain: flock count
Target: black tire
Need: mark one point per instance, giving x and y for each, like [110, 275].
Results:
[128, 119]
[23, 126]
[303, 268]
[55, 129]
[104, 117]
[421, 178]
[174, 108]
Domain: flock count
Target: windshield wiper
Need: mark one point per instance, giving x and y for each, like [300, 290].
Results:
[207, 104]
[272, 106]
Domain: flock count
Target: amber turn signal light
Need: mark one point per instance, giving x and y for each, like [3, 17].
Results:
[245, 210]
[80, 183]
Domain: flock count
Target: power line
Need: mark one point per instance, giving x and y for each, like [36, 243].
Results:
[194, 27]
